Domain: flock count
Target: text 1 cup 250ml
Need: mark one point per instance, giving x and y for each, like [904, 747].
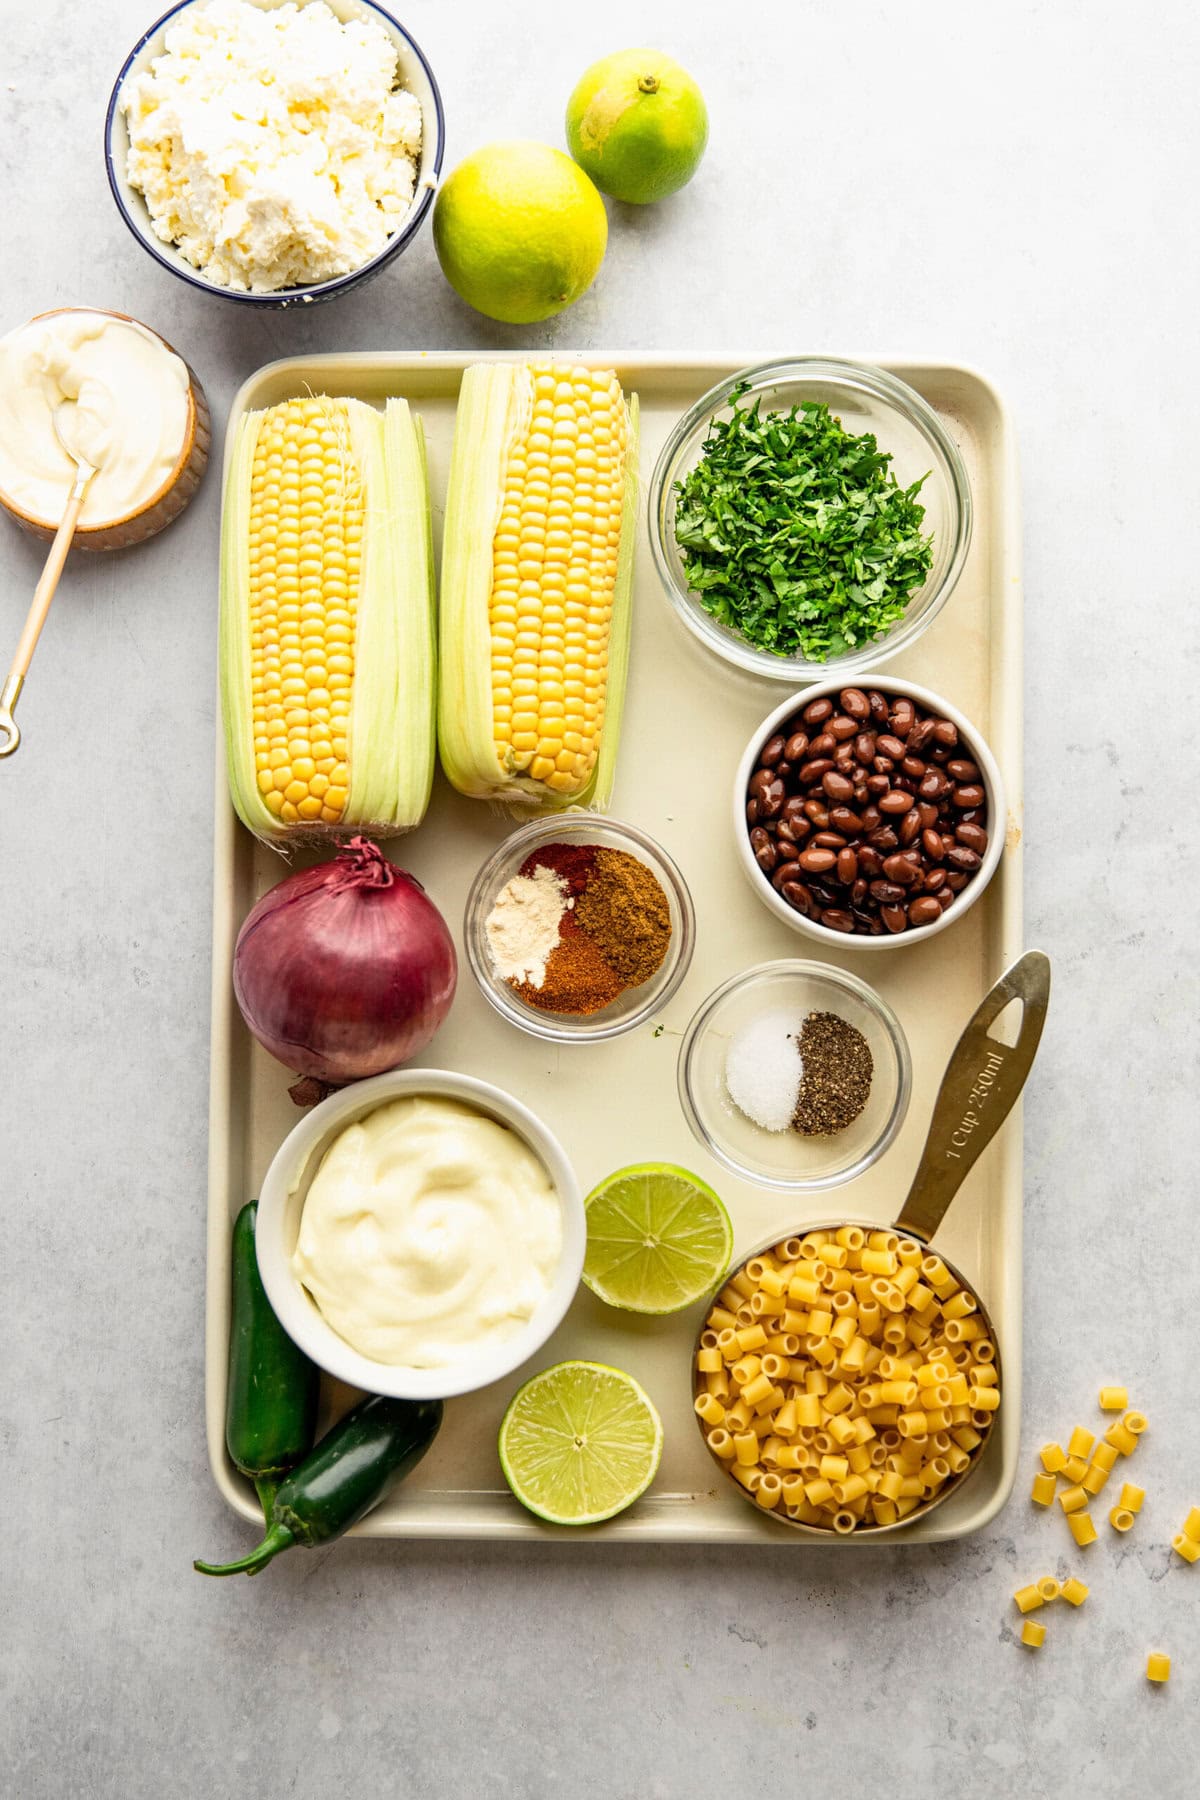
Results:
[981, 1085]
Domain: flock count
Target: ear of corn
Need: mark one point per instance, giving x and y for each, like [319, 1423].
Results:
[327, 607]
[537, 571]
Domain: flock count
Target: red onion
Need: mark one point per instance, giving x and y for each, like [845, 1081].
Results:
[347, 969]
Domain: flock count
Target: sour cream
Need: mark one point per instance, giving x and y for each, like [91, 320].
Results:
[124, 408]
[428, 1232]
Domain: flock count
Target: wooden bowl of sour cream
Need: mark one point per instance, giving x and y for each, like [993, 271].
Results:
[151, 406]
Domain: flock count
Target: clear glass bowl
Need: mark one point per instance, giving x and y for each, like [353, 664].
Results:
[786, 1159]
[864, 399]
[635, 1005]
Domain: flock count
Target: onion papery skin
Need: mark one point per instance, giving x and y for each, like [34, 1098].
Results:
[346, 969]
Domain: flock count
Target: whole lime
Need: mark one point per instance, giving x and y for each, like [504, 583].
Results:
[638, 124]
[519, 230]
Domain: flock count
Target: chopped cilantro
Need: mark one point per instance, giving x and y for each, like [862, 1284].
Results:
[796, 534]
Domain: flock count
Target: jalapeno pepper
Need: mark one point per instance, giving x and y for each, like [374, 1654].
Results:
[353, 1467]
[271, 1400]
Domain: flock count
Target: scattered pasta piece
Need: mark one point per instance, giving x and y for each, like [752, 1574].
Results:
[1074, 1469]
[1033, 1636]
[1135, 1423]
[1114, 1399]
[1053, 1457]
[1094, 1479]
[1083, 1529]
[1080, 1442]
[1073, 1499]
[1132, 1497]
[1191, 1525]
[1120, 1518]
[1042, 1492]
[1029, 1598]
[1158, 1666]
[1121, 1438]
[1104, 1456]
[1185, 1546]
[1074, 1591]
[1048, 1588]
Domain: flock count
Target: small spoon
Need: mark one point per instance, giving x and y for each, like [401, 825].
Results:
[43, 594]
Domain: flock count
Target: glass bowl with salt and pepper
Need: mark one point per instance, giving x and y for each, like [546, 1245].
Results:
[795, 1075]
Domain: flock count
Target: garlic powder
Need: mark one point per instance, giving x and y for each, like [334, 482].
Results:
[273, 147]
[523, 926]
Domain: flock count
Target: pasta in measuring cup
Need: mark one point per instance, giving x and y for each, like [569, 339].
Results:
[854, 1374]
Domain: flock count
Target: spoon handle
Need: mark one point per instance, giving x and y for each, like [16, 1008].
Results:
[979, 1089]
[35, 618]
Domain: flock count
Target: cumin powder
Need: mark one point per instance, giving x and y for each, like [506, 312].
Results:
[625, 913]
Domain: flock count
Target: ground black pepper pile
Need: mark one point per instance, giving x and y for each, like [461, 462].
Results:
[836, 1083]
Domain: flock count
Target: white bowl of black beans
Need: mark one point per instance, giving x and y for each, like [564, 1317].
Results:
[869, 816]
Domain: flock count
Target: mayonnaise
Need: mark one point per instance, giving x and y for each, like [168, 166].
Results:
[428, 1232]
[126, 413]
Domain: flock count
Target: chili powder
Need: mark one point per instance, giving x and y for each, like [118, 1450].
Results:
[573, 863]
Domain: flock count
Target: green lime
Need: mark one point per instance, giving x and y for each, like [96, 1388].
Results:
[579, 1443]
[638, 124]
[657, 1238]
[520, 231]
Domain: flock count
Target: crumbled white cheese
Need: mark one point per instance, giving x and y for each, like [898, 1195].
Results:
[273, 147]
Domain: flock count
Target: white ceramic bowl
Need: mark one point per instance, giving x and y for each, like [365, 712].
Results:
[281, 1203]
[415, 74]
[975, 748]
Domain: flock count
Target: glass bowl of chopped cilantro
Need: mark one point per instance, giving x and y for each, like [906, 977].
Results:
[809, 518]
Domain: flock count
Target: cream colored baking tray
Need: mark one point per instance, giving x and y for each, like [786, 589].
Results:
[687, 719]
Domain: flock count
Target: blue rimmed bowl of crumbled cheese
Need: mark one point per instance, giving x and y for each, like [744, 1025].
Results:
[273, 152]
[795, 1075]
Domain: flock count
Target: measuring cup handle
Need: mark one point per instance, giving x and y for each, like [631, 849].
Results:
[979, 1089]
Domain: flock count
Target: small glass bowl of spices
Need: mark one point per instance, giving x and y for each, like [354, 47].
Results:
[579, 928]
[795, 1075]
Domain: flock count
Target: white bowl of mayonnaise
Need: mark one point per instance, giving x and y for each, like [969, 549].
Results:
[420, 1234]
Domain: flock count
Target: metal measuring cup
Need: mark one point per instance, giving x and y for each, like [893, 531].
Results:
[983, 1080]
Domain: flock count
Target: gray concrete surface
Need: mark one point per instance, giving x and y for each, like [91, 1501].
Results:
[1009, 186]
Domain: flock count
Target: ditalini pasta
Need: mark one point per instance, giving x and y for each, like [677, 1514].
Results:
[1158, 1666]
[1120, 1518]
[1074, 1591]
[860, 1378]
[1191, 1525]
[1185, 1546]
[1121, 1437]
[1033, 1635]
[1083, 1529]
[1042, 1493]
[1114, 1399]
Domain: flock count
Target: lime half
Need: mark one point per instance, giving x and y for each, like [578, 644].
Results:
[657, 1239]
[579, 1443]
